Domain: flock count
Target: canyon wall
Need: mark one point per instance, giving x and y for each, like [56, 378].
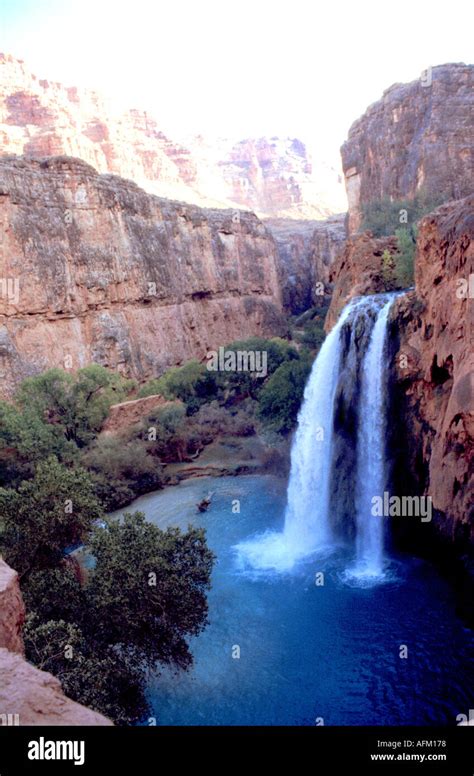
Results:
[357, 270]
[93, 269]
[419, 136]
[432, 351]
[306, 253]
[275, 177]
[272, 176]
[431, 433]
[29, 696]
[12, 610]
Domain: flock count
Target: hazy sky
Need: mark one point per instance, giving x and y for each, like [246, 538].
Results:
[242, 68]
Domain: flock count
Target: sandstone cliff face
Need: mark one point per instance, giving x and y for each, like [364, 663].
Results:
[306, 253]
[32, 697]
[275, 177]
[357, 271]
[419, 135]
[96, 270]
[271, 176]
[29, 696]
[12, 610]
[433, 336]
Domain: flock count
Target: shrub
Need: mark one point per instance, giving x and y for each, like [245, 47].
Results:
[384, 216]
[405, 258]
[314, 335]
[77, 404]
[217, 420]
[281, 397]
[121, 469]
[191, 383]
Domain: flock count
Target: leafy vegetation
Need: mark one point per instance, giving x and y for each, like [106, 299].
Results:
[400, 218]
[405, 258]
[46, 515]
[282, 395]
[77, 405]
[384, 216]
[144, 597]
[101, 630]
[191, 383]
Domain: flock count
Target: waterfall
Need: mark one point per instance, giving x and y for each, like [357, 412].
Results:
[307, 523]
[348, 371]
[371, 478]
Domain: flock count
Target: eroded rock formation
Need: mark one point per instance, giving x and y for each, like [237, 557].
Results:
[420, 135]
[29, 696]
[95, 270]
[273, 176]
[12, 609]
[32, 697]
[358, 270]
[128, 413]
[306, 253]
[433, 335]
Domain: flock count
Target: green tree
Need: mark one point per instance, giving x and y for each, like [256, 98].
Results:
[281, 397]
[314, 334]
[77, 404]
[242, 384]
[121, 468]
[54, 594]
[147, 592]
[388, 270]
[24, 440]
[191, 383]
[384, 216]
[97, 678]
[405, 258]
[47, 514]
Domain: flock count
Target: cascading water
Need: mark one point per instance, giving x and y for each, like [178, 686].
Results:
[313, 476]
[307, 525]
[371, 478]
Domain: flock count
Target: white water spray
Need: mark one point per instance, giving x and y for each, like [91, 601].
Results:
[307, 519]
[371, 464]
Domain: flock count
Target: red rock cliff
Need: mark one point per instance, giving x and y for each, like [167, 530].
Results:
[94, 269]
[29, 696]
[435, 368]
[419, 135]
[273, 176]
[357, 271]
[306, 253]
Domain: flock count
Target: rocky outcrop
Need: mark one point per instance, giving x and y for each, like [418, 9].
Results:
[357, 271]
[12, 609]
[418, 136]
[432, 336]
[95, 270]
[273, 176]
[306, 253]
[32, 697]
[29, 696]
[128, 413]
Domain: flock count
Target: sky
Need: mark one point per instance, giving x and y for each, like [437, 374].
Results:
[239, 68]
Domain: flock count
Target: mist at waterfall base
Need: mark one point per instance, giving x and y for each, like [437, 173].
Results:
[308, 529]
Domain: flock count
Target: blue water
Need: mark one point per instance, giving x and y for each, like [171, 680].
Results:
[309, 652]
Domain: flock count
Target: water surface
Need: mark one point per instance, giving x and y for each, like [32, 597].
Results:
[309, 651]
